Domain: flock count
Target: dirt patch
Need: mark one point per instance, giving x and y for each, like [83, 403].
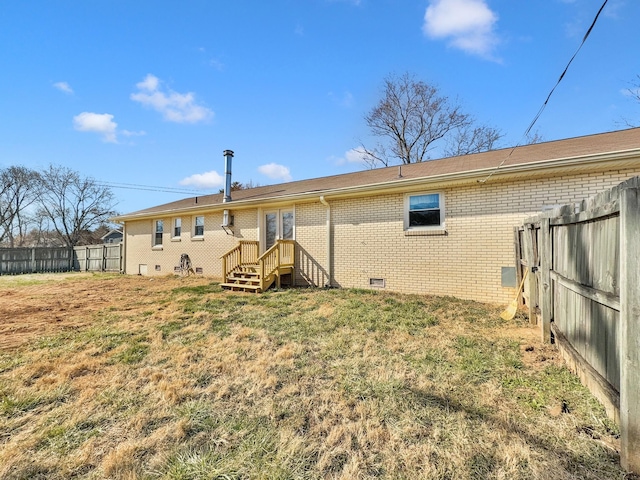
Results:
[33, 306]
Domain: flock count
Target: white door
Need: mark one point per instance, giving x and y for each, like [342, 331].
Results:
[278, 225]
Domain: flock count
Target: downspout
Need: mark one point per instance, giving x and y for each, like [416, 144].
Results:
[123, 252]
[329, 250]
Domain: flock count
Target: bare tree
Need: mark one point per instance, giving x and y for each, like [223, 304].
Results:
[235, 186]
[72, 204]
[19, 188]
[634, 93]
[535, 137]
[412, 116]
[471, 139]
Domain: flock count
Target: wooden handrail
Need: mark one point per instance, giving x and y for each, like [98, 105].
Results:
[281, 254]
[246, 252]
[271, 260]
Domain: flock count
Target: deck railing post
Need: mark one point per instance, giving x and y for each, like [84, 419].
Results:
[224, 268]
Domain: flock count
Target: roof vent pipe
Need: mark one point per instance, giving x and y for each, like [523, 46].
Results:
[228, 156]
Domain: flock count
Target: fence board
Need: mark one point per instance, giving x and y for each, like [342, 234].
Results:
[97, 258]
[630, 329]
[588, 288]
[15, 261]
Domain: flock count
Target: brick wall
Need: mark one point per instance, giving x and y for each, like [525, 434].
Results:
[204, 252]
[311, 249]
[368, 239]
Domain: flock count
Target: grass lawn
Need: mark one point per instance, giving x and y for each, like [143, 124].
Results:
[171, 378]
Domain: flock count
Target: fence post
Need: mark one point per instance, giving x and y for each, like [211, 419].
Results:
[517, 249]
[545, 251]
[630, 329]
[34, 267]
[527, 239]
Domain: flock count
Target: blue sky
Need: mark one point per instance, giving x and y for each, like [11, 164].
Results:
[152, 92]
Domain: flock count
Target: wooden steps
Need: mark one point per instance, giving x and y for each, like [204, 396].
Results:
[242, 266]
[245, 279]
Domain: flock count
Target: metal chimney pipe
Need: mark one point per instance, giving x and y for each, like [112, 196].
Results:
[228, 156]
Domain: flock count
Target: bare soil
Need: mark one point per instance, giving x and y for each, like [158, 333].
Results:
[32, 306]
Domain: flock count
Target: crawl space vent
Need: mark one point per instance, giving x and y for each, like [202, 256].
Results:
[376, 282]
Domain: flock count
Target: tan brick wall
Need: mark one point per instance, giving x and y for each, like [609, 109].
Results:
[369, 241]
[311, 237]
[204, 253]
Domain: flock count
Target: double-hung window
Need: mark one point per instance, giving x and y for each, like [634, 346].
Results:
[177, 227]
[198, 226]
[424, 211]
[158, 230]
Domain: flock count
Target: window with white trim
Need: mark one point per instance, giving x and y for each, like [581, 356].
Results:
[158, 231]
[177, 227]
[424, 211]
[198, 226]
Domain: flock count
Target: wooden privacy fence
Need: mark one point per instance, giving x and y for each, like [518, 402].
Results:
[583, 289]
[98, 258]
[93, 258]
[14, 261]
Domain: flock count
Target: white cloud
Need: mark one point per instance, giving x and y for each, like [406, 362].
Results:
[468, 24]
[217, 64]
[101, 123]
[355, 155]
[128, 133]
[204, 180]
[276, 172]
[174, 106]
[150, 83]
[63, 87]
[345, 100]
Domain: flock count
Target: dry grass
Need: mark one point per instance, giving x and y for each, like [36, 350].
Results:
[171, 378]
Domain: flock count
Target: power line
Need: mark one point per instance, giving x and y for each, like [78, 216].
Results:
[152, 188]
[544, 105]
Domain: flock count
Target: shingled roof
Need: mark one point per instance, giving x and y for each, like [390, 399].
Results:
[497, 163]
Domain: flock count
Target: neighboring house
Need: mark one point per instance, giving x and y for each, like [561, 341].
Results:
[112, 236]
[442, 227]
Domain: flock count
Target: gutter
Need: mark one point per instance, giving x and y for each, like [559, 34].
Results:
[329, 249]
[402, 183]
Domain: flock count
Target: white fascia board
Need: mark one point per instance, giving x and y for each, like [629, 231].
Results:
[467, 176]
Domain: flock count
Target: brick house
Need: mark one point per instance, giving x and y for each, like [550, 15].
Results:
[442, 227]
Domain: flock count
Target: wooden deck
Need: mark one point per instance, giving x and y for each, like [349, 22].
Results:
[245, 271]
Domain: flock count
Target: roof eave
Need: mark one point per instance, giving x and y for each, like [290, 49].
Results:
[483, 175]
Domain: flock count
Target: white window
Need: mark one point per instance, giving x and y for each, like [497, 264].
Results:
[424, 211]
[198, 226]
[177, 227]
[158, 230]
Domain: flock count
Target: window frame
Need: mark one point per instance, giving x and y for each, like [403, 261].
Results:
[195, 226]
[156, 223]
[441, 227]
[176, 227]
